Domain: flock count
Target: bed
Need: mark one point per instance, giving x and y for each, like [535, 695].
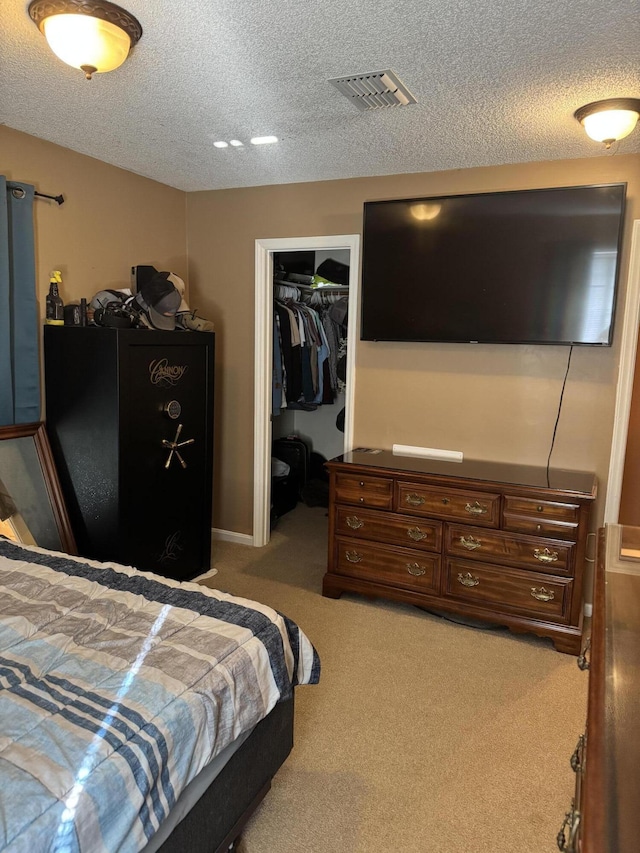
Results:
[136, 712]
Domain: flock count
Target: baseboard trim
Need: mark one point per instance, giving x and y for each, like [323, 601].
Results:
[231, 536]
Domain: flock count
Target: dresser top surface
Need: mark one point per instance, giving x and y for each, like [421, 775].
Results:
[579, 482]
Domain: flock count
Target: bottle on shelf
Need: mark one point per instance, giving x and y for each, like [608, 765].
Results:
[54, 315]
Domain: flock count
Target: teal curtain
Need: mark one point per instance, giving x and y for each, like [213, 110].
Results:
[19, 356]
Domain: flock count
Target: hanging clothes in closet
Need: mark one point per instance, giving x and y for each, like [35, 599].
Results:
[309, 340]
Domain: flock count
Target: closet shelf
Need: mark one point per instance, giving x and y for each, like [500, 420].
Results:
[315, 288]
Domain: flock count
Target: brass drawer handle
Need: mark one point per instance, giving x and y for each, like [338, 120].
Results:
[576, 759]
[354, 522]
[416, 570]
[468, 579]
[542, 594]
[583, 661]
[353, 556]
[476, 509]
[544, 555]
[414, 500]
[572, 822]
[470, 543]
[416, 534]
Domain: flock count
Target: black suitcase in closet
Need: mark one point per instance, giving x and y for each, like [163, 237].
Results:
[296, 453]
[284, 496]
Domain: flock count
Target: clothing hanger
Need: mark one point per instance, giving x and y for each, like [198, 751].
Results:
[287, 292]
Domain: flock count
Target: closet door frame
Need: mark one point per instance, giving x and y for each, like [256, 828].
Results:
[264, 251]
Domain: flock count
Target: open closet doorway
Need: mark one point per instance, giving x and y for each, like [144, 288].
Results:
[343, 246]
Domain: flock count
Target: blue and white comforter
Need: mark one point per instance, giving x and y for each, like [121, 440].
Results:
[116, 688]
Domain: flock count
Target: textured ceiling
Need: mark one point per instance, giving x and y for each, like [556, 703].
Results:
[496, 82]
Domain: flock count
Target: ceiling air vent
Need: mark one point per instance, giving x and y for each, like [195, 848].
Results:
[374, 90]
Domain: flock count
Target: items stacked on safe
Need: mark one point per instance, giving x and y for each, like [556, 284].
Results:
[155, 300]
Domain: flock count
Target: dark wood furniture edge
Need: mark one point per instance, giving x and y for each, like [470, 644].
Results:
[594, 798]
[374, 470]
[54, 489]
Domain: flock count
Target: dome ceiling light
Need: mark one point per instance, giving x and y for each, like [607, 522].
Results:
[610, 120]
[92, 36]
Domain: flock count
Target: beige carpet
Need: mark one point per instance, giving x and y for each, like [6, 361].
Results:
[423, 736]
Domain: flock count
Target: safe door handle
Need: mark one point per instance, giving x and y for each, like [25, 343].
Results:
[174, 448]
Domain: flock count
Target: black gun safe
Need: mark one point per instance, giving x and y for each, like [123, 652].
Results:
[129, 414]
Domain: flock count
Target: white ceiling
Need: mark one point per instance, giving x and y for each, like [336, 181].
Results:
[497, 81]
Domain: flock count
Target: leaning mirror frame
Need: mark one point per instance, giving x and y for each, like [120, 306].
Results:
[49, 474]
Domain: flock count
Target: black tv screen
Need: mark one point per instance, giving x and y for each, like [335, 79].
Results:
[531, 266]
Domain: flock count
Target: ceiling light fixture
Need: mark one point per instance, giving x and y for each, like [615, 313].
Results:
[609, 120]
[263, 140]
[236, 143]
[221, 144]
[94, 37]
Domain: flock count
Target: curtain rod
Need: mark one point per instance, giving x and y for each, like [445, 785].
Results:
[57, 198]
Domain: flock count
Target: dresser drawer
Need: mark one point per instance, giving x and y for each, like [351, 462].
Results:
[364, 491]
[547, 510]
[399, 567]
[385, 527]
[509, 590]
[454, 504]
[525, 552]
[540, 527]
[555, 519]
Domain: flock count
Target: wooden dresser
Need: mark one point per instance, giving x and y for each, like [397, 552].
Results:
[484, 540]
[604, 815]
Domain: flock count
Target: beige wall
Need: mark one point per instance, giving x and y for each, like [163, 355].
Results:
[110, 219]
[491, 402]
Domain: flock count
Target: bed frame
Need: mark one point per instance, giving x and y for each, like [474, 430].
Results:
[216, 821]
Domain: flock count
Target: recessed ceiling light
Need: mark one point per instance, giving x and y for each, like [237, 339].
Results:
[236, 143]
[263, 140]
[221, 144]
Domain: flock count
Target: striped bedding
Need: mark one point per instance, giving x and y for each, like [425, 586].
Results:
[116, 688]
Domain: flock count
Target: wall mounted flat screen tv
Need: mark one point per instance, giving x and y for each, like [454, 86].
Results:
[528, 267]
